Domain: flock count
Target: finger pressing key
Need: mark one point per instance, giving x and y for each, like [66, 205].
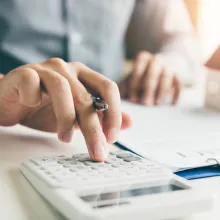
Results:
[89, 122]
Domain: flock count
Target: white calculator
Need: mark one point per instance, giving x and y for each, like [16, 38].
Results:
[125, 186]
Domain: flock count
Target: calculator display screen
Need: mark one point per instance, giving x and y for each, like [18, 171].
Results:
[118, 195]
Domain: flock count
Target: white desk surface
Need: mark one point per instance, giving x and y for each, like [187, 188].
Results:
[19, 201]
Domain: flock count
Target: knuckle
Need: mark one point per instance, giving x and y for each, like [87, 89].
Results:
[35, 66]
[78, 65]
[110, 86]
[60, 82]
[82, 98]
[28, 75]
[57, 61]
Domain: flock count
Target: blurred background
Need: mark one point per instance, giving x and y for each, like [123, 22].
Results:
[205, 15]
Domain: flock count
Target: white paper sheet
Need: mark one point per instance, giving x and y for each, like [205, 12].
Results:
[177, 137]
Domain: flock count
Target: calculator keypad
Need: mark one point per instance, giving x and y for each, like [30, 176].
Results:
[78, 170]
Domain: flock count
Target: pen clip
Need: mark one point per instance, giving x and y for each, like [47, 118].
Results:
[214, 159]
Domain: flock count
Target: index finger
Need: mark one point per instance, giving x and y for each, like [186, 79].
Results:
[150, 82]
[140, 66]
[107, 90]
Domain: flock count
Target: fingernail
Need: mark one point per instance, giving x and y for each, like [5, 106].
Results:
[66, 137]
[99, 153]
[112, 135]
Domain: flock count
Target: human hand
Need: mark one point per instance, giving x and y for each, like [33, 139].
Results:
[54, 96]
[151, 81]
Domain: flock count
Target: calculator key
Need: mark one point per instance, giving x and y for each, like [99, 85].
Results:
[81, 166]
[75, 166]
[81, 169]
[116, 165]
[74, 169]
[100, 169]
[85, 168]
[114, 161]
[131, 158]
[124, 154]
[113, 152]
[73, 161]
[125, 164]
[99, 165]
[68, 159]
[62, 161]
[148, 163]
[83, 156]
[40, 161]
[107, 173]
[62, 172]
[88, 174]
[119, 161]
[146, 167]
[60, 157]
[134, 163]
[75, 157]
[48, 172]
[126, 169]
[108, 169]
[67, 178]
[69, 165]
[112, 156]
[84, 159]
[54, 169]
[88, 162]
[111, 160]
